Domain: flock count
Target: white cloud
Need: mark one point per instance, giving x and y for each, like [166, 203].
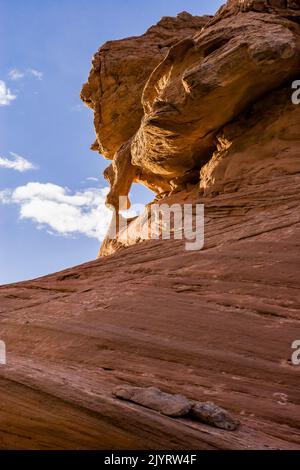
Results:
[16, 162]
[5, 95]
[5, 196]
[91, 178]
[35, 73]
[59, 211]
[15, 74]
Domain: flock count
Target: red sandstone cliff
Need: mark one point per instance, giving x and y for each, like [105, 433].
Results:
[209, 120]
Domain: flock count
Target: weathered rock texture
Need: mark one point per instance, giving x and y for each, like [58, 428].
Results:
[161, 120]
[151, 397]
[119, 73]
[213, 121]
[209, 413]
[118, 76]
[212, 325]
[177, 406]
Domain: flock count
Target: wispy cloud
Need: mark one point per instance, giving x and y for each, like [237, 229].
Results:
[6, 97]
[91, 178]
[16, 162]
[15, 74]
[59, 211]
[5, 196]
[35, 73]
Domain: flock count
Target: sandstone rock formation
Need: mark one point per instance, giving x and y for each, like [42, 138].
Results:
[206, 79]
[208, 120]
[212, 325]
[119, 73]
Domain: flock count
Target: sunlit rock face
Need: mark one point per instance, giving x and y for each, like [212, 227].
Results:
[114, 91]
[120, 70]
[174, 107]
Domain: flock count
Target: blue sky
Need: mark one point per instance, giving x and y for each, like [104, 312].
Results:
[51, 205]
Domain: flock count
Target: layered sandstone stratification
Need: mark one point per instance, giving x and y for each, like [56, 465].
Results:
[119, 73]
[216, 324]
[207, 81]
[213, 110]
[212, 325]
